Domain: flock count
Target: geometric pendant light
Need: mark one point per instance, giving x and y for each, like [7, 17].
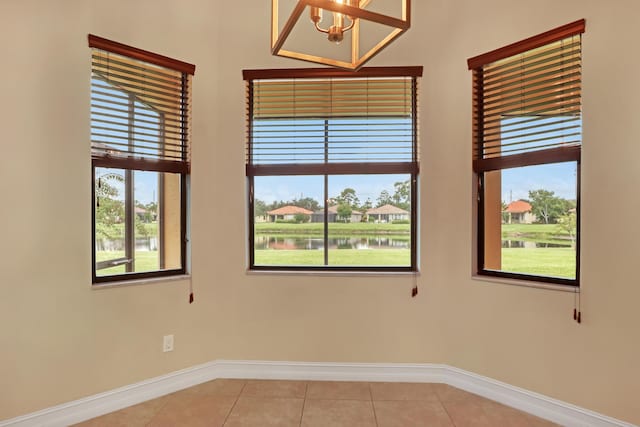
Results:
[340, 33]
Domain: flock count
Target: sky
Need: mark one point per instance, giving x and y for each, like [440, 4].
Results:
[558, 177]
[274, 188]
[516, 184]
[522, 134]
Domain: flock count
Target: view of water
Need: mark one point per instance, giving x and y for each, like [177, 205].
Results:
[532, 245]
[142, 244]
[265, 241]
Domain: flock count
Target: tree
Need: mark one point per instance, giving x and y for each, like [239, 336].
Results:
[276, 205]
[259, 208]
[569, 224]
[307, 203]
[402, 195]
[152, 210]
[109, 210]
[364, 208]
[141, 229]
[344, 212]
[348, 197]
[366, 205]
[384, 199]
[505, 215]
[546, 206]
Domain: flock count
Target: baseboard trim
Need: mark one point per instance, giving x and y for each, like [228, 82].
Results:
[113, 400]
[542, 406]
[331, 371]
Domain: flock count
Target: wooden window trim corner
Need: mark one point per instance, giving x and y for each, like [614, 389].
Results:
[140, 54]
[559, 33]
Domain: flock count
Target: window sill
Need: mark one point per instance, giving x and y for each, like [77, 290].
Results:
[350, 273]
[526, 283]
[137, 282]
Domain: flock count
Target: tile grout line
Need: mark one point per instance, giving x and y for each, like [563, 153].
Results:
[304, 401]
[234, 404]
[169, 397]
[375, 416]
[441, 398]
[444, 407]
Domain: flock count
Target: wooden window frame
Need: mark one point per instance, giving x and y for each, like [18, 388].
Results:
[131, 164]
[327, 170]
[549, 156]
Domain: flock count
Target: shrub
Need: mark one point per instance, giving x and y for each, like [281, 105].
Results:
[300, 218]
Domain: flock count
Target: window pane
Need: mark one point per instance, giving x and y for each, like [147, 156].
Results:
[369, 219]
[288, 141]
[530, 216]
[287, 232]
[370, 139]
[147, 257]
[110, 221]
[359, 139]
[138, 221]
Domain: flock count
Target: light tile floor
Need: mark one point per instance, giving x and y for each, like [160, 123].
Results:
[262, 403]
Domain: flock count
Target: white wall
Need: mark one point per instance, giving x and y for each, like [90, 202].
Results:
[61, 340]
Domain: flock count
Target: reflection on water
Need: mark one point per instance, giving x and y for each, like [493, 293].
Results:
[142, 244]
[532, 245]
[264, 241]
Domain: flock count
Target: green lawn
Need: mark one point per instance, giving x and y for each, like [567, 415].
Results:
[532, 228]
[353, 257]
[556, 262]
[145, 261]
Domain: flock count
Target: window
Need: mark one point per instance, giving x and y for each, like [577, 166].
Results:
[140, 162]
[332, 166]
[526, 157]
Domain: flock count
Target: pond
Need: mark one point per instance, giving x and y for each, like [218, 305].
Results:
[533, 245]
[142, 244]
[266, 241]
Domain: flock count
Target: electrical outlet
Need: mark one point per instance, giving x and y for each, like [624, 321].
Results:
[167, 343]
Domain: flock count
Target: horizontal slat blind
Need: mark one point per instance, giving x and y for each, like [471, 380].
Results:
[329, 98]
[527, 104]
[139, 114]
[323, 125]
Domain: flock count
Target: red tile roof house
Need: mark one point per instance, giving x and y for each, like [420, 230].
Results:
[388, 213]
[140, 212]
[287, 213]
[318, 216]
[519, 212]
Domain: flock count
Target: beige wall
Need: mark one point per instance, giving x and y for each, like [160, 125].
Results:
[60, 340]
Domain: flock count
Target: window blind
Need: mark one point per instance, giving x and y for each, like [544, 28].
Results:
[527, 101]
[344, 123]
[140, 107]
